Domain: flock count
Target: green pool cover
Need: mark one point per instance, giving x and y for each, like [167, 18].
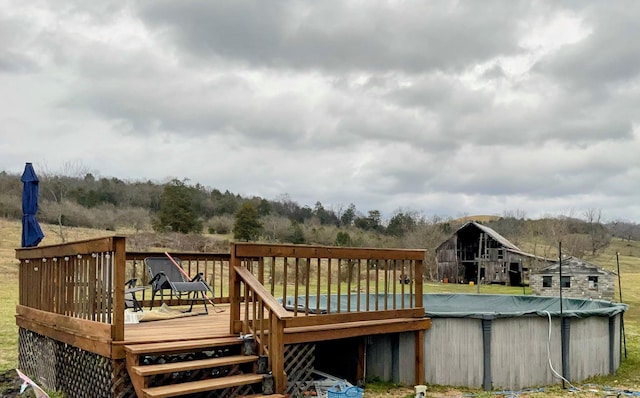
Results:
[484, 306]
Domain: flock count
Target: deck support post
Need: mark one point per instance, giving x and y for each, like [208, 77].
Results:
[360, 371]
[234, 293]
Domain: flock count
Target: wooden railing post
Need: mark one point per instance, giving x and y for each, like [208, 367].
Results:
[419, 283]
[234, 292]
[276, 354]
[119, 263]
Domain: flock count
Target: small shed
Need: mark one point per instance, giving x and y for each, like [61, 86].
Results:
[579, 279]
[475, 247]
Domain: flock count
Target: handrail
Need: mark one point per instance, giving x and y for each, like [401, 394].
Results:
[67, 249]
[264, 318]
[252, 282]
[188, 255]
[349, 253]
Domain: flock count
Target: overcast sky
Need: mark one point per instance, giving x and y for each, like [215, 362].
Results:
[444, 108]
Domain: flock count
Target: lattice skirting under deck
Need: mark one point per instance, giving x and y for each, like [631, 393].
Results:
[80, 374]
[299, 361]
[76, 372]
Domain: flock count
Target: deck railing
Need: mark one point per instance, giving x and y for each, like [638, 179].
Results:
[74, 287]
[283, 286]
[79, 286]
[324, 280]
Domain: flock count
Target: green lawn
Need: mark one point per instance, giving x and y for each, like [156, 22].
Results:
[468, 289]
[8, 328]
[628, 375]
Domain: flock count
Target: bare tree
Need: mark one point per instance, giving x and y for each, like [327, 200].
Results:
[58, 184]
[428, 233]
[624, 229]
[576, 245]
[534, 233]
[136, 217]
[222, 224]
[275, 228]
[599, 237]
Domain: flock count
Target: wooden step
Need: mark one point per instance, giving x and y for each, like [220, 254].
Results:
[174, 390]
[149, 370]
[180, 346]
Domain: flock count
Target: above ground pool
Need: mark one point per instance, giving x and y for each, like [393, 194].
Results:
[494, 341]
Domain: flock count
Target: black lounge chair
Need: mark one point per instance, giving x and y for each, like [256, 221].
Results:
[165, 275]
[130, 299]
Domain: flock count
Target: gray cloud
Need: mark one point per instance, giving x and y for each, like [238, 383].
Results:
[340, 36]
[446, 108]
[13, 57]
[608, 56]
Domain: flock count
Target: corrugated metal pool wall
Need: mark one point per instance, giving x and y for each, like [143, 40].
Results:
[516, 353]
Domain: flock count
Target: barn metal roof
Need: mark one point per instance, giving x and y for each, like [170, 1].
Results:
[501, 239]
[504, 242]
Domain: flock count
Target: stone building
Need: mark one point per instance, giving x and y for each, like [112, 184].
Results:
[579, 279]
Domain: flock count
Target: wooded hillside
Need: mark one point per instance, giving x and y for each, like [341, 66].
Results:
[180, 207]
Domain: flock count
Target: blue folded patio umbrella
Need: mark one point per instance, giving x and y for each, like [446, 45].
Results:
[31, 232]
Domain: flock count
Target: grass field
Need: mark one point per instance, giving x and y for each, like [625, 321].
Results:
[628, 376]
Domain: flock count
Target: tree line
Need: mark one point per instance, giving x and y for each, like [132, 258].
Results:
[177, 206]
[87, 201]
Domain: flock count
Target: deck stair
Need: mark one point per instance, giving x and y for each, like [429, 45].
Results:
[197, 368]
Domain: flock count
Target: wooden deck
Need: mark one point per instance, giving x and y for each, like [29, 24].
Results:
[216, 325]
[194, 327]
[74, 294]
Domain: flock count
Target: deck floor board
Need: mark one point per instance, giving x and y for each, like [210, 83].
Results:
[213, 325]
[216, 325]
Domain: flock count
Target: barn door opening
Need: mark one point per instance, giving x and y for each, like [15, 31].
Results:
[471, 272]
[515, 274]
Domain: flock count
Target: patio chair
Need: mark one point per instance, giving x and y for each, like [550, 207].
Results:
[130, 299]
[165, 275]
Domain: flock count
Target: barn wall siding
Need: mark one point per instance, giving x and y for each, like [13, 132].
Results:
[496, 254]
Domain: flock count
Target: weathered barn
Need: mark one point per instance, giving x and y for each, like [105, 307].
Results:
[477, 248]
[579, 279]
